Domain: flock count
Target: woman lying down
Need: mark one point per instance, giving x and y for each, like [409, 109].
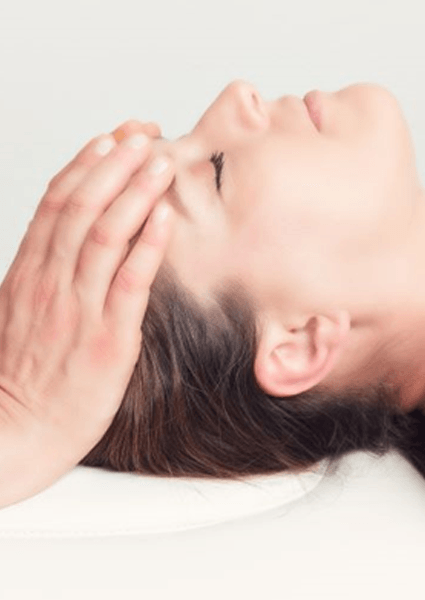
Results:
[274, 318]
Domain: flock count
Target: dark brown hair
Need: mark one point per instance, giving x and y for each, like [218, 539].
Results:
[193, 406]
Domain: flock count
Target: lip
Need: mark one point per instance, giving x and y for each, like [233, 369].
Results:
[314, 107]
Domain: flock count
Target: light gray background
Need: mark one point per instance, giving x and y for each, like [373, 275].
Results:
[70, 71]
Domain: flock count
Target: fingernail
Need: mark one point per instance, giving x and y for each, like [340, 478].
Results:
[104, 145]
[136, 141]
[118, 134]
[158, 165]
[160, 213]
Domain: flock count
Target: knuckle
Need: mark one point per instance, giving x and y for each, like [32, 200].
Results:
[104, 349]
[50, 205]
[100, 235]
[76, 204]
[55, 181]
[128, 280]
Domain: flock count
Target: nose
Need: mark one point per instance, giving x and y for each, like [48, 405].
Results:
[252, 106]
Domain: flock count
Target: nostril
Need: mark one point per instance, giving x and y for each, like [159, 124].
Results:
[251, 104]
[257, 103]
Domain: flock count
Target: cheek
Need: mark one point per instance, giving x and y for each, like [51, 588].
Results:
[388, 140]
[390, 180]
[313, 219]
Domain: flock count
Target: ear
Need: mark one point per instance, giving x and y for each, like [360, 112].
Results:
[290, 361]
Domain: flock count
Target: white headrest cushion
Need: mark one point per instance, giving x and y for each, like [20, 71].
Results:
[90, 501]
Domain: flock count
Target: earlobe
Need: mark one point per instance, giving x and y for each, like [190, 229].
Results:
[289, 361]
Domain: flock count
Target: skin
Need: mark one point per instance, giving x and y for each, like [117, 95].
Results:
[71, 305]
[324, 228]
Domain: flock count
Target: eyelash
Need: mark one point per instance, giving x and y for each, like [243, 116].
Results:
[217, 160]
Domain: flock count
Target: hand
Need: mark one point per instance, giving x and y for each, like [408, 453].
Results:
[70, 313]
[133, 126]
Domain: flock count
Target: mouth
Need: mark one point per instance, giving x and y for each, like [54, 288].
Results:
[313, 104]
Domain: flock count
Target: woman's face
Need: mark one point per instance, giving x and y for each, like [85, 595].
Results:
[302, 212]
[314, 223]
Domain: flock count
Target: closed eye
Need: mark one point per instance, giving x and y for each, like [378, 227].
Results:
[217, 160]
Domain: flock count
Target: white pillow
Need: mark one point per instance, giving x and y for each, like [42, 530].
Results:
[93, 501]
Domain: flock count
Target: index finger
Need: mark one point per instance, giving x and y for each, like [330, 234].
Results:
[132, 126]
[85, 155]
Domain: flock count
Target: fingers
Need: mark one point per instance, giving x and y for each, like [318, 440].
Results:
[132, 126]
[60, 188]
[85, 157]
[102, 251]
[93, 196]
[128, 295]
[67, 180]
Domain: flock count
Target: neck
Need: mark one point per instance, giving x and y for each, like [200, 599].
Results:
[405, 339]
